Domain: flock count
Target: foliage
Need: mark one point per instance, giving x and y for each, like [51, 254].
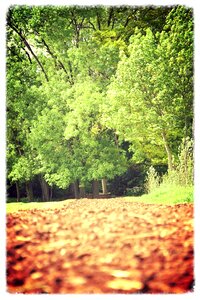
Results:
[93, 147]
[183, 174]
[47, 137]
[135, 191]
[186, 162]
[130, 183]
[152, 180]
[22, 105]
[148, 96]
[82, 82]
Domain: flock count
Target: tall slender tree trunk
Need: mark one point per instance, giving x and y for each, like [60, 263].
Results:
[18, 191]
[82, 191]
[45, 189]
[168, 150]
[29, 191]
[51, 192]
[104, 186]
[95, 188]
[76, 190]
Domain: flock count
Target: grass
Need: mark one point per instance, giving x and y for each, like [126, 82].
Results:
[170, 194]
[16, 206]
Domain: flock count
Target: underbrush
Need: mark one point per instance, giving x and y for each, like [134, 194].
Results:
[176, 186]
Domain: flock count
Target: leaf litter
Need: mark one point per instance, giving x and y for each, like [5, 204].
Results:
[101, 246]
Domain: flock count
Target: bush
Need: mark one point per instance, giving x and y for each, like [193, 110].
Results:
[152, 180]
[183, 172]
[185, 167]
[171, 178]
[135, 191]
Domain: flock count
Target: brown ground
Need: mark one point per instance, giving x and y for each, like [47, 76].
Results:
[101, 246]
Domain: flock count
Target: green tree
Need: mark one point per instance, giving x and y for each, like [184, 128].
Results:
[94, 147]
[145, 104]
[60, 61]
[47, 135]
[22, 104]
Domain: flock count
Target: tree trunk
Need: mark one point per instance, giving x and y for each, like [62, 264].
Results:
[45, 189]
[51, 192]
[29, 191]
[95, 188]
[104, 186]
[18, 191]
[169, 153]
[82, 191]
[76, 190]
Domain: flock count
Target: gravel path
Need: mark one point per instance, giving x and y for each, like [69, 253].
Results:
[101, 246]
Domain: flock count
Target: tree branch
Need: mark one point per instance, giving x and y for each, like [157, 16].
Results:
[29, 58]
[23, 39]
[98, 21]
[110, 16]
[127, 21]
[57, 62]
[92, 25]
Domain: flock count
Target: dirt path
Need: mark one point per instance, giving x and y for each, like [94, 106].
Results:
[101, 246]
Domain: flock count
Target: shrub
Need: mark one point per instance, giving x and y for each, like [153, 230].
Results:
[183, 171]
[152, 180]
[135, 191]
[185, 167]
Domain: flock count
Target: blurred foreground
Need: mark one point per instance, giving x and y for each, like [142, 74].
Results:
[101, 246]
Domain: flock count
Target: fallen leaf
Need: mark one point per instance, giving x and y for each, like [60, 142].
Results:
[125, 284]
[120, 273]
[36, 275]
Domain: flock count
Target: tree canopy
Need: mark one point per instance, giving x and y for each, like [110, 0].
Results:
[84, 82]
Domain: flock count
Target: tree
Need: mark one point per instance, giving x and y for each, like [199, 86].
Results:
[60, 61]
[21, 107]
[146, 95]
[95, 153]
[68, 139]
[176, 47]
[47, 141]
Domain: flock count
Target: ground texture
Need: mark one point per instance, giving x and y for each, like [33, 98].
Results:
[101, 246]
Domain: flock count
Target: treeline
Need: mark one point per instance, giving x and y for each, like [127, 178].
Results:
[96, 94]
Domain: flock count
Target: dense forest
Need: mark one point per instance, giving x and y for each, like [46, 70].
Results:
[96, 96]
